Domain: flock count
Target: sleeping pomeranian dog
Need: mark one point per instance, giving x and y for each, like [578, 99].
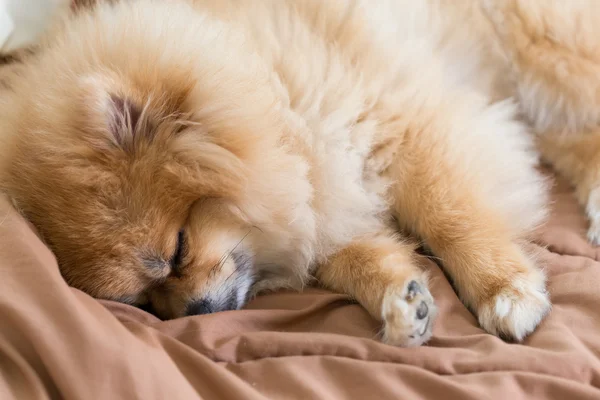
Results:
[188, 155]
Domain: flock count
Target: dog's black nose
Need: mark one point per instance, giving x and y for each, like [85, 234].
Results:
[200, 307]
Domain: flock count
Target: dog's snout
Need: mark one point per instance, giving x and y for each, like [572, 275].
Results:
[229, 290]
[200, 307]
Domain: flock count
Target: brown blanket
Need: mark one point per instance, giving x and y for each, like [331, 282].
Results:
[56, 342]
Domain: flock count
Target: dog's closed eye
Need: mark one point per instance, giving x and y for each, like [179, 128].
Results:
[179, 254]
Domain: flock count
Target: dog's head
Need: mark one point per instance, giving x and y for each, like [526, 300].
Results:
[146, 166]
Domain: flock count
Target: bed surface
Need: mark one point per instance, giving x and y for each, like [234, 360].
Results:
[57, 342]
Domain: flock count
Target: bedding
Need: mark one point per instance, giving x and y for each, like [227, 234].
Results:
[58, 343]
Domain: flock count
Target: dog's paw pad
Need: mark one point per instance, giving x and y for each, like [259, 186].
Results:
[408, 313]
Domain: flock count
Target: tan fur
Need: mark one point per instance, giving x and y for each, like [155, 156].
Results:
[291, 132]
[554, 52]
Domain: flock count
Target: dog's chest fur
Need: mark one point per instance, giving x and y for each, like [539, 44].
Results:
[339, 68]
[332, 130]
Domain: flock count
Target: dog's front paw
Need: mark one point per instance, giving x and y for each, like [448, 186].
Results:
[408, 313]
[517, 309]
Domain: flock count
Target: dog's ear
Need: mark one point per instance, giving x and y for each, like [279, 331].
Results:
[124, 120]
[111, 118]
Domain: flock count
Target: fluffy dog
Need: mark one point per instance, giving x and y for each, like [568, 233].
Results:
[190, 154]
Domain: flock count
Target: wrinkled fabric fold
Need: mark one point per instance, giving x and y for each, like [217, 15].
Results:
[57, 342]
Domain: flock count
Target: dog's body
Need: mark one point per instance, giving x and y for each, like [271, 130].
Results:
[553, 48]
[181, 154]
